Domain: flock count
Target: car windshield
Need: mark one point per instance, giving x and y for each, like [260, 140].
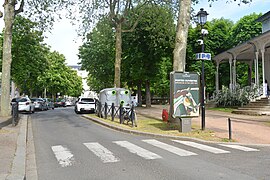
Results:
[15, 99]
[87, 100]
[22, 100]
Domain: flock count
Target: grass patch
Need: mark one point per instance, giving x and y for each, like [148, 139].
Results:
[267, 123]
[150, 125]
[223, 109]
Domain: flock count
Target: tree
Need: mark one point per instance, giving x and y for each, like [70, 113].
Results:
[179, 60]
[41, 9]
[58, 78]
[245, 29]
[97, 56]
[148, 46]
[179, 53]
[29, 60]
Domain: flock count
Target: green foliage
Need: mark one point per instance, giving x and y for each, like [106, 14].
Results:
[238, 97]
[35, 68]
[245, 29]
[148, 50]
[58, 78]
[28, 54]
[97, 56]
[162, 85]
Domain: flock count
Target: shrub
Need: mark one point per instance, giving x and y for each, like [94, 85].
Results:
[237, 97]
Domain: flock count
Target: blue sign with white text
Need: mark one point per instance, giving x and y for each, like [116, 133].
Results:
[203, 56]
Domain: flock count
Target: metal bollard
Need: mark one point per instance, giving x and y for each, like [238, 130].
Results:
[112, 111]
[106, 109]
[230, 128]
[121, 114]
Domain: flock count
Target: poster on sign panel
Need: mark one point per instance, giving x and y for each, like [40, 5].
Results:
[184, 96]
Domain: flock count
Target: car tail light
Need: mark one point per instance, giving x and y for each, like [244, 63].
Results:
[27, 103]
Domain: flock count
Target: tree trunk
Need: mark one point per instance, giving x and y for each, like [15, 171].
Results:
[148, 94]
[179, 53]
[9, 11]
[140, 94]
[118, 52]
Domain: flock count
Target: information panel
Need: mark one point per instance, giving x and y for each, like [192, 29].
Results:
[184, 94]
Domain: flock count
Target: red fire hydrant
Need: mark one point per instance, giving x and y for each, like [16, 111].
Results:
[165, 115]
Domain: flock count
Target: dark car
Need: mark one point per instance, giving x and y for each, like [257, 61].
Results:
[60, 103]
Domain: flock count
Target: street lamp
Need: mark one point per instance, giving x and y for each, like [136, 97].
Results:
[202, 18]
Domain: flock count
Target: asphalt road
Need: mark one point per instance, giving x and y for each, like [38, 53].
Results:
[68, 146]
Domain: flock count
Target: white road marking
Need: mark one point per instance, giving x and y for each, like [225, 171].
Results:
[242, 148]
[202, 147]
[104, 154]
[63, 155]
[137, 150]
[172, 149]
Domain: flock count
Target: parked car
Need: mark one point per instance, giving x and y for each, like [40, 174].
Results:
[25, 104]
[69, 103]
[60, 103]
[39, 103]
[48, 103]
[85, 105]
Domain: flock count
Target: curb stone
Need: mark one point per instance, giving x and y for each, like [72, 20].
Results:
[18, 165]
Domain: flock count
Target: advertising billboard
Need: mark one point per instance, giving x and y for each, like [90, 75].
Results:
[184, 95]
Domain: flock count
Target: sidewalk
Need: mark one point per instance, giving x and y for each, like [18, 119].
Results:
[245, 129]
[13, 148]
[8, 144]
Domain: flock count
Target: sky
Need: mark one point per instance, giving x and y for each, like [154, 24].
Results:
[63, 38]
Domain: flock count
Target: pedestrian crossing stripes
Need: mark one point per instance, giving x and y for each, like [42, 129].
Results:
[172, 149]
[105, 155]
[242, 148]
[137, 150]
[202, 147]
[65, 157]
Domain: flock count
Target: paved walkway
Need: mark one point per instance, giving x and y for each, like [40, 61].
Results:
[245, 129]
[8, 144]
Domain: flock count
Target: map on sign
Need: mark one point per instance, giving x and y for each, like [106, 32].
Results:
[203, 56]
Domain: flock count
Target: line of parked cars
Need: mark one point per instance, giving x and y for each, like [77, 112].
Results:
[29, 105]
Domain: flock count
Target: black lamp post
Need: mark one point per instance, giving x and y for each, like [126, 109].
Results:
[202, 18]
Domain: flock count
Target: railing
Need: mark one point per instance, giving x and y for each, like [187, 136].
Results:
[15, 113]
[123, 113]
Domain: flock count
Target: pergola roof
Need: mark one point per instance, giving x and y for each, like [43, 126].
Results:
[246, 51]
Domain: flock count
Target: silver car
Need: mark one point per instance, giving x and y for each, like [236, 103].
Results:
[39, 103]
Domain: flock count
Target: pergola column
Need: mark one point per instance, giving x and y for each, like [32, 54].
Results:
[250, 73]
[263, 68]
[217, 77]
[257, 82]
[231, 81]
[234, 74]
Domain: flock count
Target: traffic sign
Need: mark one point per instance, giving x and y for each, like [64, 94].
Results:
[203, 56]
